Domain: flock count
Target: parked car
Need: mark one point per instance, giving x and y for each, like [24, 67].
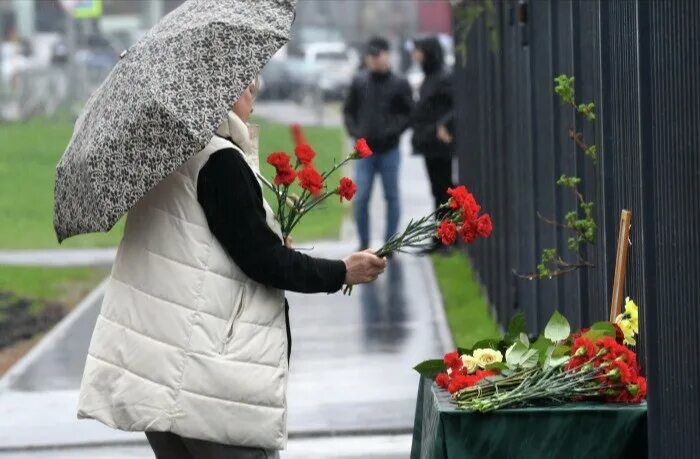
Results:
[335, 64]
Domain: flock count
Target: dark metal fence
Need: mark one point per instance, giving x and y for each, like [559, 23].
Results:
[639, 61]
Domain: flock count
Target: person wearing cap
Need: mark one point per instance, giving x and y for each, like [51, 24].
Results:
[378, 107]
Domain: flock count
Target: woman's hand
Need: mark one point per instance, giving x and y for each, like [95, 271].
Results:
[288, 242]
[363, 267]
[444, 135]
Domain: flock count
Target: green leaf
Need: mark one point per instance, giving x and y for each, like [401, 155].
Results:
[524, 339]
[496, 366]
[430, 368]
[515, 353]
[606, 328]
[463, 350]
[529, 359]
[517, 325]
[557, 328]
[560, 350]
[541, 345]
[557, 361]
[593, 335]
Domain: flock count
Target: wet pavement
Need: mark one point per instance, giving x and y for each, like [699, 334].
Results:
[351, 369]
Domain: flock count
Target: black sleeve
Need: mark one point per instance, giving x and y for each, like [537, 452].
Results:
[350, 107]
[447, 119]
[231, 198]
[402, 109]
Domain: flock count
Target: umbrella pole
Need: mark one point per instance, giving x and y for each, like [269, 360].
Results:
[623, 243]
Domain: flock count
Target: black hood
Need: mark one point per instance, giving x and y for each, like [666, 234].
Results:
[432, 50]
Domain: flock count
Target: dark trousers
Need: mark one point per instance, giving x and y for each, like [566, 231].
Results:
[167, 445]
[440, 175]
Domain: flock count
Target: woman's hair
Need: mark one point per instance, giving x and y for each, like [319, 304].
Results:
[256, 84]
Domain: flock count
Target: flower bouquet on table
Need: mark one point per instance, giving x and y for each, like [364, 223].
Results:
[593, 364]
[292, 207]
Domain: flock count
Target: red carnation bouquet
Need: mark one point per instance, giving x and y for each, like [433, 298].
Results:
[557, 368]
[291, 207]
[459, 216]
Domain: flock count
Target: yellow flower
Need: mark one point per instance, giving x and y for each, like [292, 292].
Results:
[628, 331]
[486, 357]
[632, 311]
[469, 363]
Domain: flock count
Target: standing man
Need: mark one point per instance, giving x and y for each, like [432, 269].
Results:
[378, 107]
[432, 120]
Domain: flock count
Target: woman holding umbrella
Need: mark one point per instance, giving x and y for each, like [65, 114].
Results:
[192, 341]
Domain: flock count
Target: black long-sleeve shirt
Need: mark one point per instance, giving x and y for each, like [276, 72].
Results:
[230, 195]
[231, 198]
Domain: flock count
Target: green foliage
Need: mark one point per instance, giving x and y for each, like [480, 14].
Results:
[466, 14]
[587, 111]
[430, 368]
[548, 257]
[516, 327]
[583, 226]
[571, 182]
[565, 88]
[592, 152]
[557, 329]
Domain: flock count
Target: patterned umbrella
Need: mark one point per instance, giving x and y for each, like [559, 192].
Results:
[161, 104]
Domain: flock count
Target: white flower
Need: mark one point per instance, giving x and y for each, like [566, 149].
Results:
[487, 356]
[470, 363]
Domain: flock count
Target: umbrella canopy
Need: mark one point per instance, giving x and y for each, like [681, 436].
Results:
[161, 104]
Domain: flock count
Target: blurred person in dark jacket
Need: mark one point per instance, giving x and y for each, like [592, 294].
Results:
[433, 119]
[378, 107]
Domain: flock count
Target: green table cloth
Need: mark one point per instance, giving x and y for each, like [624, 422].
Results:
[580, 430]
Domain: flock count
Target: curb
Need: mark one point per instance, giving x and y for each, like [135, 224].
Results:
[438, 305]
[49, 340]
[58, 257]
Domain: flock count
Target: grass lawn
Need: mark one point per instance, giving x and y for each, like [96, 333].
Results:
[30, 151]
[323, 222]
[465, 305]
[66, 286]
[63, 285]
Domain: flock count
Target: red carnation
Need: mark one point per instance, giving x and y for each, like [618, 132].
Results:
[468, 231]
[447, 232]
[471, 208]
[484, 226]
[311, 180]
[304, 153]
[638, 389]
[453, 361]
[347, 188]
[298, 134]
[362, 149]
[460, 381]
[285, 176]
[458, 196]
[442, 380]
[481, 374]
[279, 160]
[583, 347]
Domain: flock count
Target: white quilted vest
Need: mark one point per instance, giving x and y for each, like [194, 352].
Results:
[185, 342]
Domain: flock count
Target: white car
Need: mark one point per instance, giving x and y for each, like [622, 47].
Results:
[336, 65]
